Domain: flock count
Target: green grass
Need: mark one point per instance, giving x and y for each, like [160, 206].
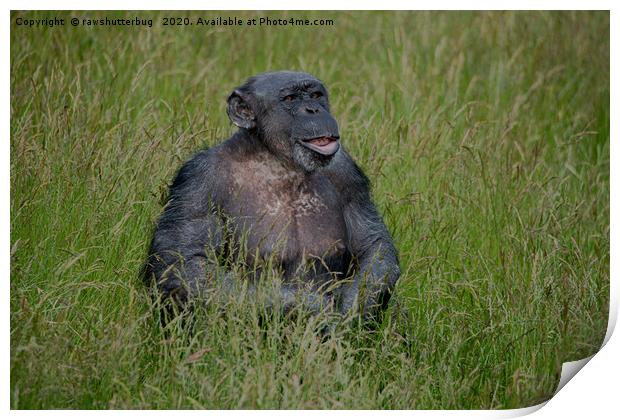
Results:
[486, 137]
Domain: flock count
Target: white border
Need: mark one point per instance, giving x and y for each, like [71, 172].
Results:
[315, 4]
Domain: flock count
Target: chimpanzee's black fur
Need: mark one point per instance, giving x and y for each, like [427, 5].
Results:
[306, 207]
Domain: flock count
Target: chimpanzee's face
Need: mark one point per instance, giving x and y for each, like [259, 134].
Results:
[290, 112]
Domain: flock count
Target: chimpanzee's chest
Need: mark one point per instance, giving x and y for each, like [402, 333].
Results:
[290, 217]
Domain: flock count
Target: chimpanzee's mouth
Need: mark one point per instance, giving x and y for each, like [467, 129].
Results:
[325, 145]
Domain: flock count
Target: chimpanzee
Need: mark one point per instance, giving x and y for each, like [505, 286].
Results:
[284, 188]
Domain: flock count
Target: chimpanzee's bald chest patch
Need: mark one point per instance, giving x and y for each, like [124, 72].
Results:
[286, 214]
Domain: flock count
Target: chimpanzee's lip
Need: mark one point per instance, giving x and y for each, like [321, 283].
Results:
[325, 145]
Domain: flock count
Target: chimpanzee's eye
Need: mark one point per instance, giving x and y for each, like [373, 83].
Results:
[316, 95]
[288, 98]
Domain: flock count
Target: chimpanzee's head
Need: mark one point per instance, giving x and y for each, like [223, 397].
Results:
[289, 112]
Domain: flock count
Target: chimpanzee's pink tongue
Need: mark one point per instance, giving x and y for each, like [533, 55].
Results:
[321, 141]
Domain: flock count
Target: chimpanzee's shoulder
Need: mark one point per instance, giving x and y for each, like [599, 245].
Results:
[193, 170]
[202, 173]
[346, 175]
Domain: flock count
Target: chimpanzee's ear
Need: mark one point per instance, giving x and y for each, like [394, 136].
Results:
[239, 111]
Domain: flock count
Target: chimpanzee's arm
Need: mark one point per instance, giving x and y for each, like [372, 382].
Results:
[377, 260]
[188, 227]
[370, 243]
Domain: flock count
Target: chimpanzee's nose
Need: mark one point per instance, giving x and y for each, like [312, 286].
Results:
[311, 109]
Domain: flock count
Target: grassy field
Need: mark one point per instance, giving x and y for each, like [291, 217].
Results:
[485, 135]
